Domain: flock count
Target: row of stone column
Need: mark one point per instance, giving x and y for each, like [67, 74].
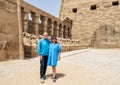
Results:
[44, 24]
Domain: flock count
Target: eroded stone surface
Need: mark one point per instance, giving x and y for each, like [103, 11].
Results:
[9, 45]
[89, 16]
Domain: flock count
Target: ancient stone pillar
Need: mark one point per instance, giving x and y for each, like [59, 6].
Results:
[64, 31]
[55, 28]
[67, 33]
[52, 28]
[21, 47]
[36, 23]
[57, 31]
[61, 32]
[44, 23]
[26, 20]
[70, 34]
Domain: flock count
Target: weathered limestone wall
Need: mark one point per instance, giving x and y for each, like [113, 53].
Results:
[106, 36]
[8, 30]
[86, 19]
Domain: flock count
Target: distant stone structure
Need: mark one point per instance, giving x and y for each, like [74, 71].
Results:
[34, 23]
[96, 23]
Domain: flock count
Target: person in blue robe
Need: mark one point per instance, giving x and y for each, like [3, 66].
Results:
[54, 55]
[43, 52]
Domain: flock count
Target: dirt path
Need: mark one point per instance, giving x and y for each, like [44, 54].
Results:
[93, 67]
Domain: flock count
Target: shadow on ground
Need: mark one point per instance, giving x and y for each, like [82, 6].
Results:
[58, 75]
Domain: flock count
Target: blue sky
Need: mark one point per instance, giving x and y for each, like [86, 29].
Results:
[50, 6]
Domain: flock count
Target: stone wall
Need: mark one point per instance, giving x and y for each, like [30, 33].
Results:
[8, 30]
[89, 15]
[31, 42]
[106, 36]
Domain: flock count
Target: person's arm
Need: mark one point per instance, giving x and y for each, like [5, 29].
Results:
[59, 55]
[39, 49]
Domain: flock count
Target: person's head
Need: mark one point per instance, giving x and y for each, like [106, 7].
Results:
[53, 39]
[45, 35]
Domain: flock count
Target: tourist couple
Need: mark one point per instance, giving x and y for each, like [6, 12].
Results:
[49, 52]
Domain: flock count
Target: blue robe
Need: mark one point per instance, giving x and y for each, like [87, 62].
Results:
[43, 47]
[54, 50]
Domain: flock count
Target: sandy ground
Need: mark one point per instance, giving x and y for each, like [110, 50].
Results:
[83, 67]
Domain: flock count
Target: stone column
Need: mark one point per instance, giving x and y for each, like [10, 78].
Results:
[36, 23]
[21, 47]
[44, 23]
[70, 34]
[62, 32]
[52, 28]
[26, 20]
[57, 30]
[66, 31]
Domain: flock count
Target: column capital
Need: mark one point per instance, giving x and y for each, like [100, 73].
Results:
[43, 17]
[26, 10]
[58, 23]
[52, 21]
[37, 15]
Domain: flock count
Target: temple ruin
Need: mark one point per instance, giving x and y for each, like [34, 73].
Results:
[96, 23]
[81, 24]
[34, 23]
